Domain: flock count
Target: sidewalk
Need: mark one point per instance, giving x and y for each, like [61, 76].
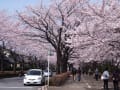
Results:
[70, 85]
[86, 83]
[92, 84]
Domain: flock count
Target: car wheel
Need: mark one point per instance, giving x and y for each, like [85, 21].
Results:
[25, 85]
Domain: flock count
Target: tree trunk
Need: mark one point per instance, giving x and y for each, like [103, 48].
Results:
[22, 65]
[64, 66]
[59, 65]
[14, 66]
[1, 65]
[62, 61]
[58, 71]
[2, 62]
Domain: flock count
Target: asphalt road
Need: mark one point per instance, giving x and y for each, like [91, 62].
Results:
[15, 83]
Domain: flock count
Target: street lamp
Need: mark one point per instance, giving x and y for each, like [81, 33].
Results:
[48, 65]
[50, 53]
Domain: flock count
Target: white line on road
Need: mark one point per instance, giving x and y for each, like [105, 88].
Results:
[16, 87]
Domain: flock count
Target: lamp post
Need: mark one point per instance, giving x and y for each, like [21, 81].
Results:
[48, 58]
[48, 65]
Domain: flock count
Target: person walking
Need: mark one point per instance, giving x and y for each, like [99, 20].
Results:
[89, 72]
[105, 78]
[115, 77]
[20, 73]
[79, 74]
[96, 74]
[74, 73]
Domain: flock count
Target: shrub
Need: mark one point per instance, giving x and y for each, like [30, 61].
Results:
[7, 74]
[59, 79]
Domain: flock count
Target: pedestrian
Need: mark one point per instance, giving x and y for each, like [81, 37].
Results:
[96, 74]
[79, 74]
[105, 78]
[74, 73]
[116, 77]
[90, 72]
[20, 73]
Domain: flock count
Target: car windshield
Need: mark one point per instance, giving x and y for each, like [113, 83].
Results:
[33, 72]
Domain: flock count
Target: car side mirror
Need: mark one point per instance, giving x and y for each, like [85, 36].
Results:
[25, 74]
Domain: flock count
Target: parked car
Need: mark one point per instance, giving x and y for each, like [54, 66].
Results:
[46, 73]
[34, 76]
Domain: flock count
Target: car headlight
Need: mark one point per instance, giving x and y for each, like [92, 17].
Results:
[39, 78]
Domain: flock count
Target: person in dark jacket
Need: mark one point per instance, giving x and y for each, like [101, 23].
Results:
[96, 74]
[21, 73]
[116, 78]
[79, 74]
[74, 71]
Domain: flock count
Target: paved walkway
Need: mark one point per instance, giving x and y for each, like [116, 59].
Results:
[86, 83]
[70, 85]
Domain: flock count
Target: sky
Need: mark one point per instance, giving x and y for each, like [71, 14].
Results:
[12, 5]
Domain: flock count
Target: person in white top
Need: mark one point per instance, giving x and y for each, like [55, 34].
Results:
[105, 77]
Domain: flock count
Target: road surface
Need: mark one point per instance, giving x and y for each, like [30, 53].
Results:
[16, 83]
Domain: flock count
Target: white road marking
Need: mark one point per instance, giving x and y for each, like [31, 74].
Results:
[16, 87]
[87, 83]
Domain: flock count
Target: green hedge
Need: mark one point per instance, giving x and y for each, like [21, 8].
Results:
[59, 79]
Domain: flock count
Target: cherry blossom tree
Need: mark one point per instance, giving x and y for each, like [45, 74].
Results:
[98, 30]
[77, 30]
[11, 32]
[51, 24]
